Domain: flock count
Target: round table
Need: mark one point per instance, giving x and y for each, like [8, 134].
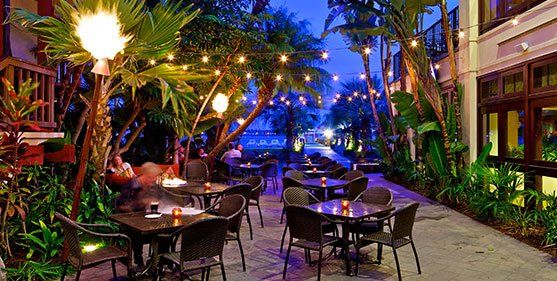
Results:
[330, 185]
[248, 170]
[316, 174]
[198, 190]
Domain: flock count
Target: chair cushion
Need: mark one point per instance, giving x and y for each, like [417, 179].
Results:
[102, 255]
[190, 265]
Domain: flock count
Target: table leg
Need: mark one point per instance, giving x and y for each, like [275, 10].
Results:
[346, 244]
[206, 201]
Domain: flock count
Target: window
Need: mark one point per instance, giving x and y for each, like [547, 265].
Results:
[495, 12]
[513, 83]
[545, 75]
[549, 184]
[490, 132]
[489, 88]
[515, 134]
[546, 133]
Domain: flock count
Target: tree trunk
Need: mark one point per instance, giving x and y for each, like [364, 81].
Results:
[80, 123]
[6, 40]
[116, 146]
[67, 93]
[289, 127]
[385, 66]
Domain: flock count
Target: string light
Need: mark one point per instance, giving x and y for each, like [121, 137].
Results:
[414, 43]
[319, 102]
[367, 50]
[373, 91]
[271, 103]
[304, 102]
[514, 21]
[248, 75]
[278, 77]
[301, 98]
[205, 59]
[254, 102]
[349, 98]
[392, 89]
[362, 76]
[390, 73]
[283, 58]
[437, 66]
[335, 77]
[244, 98]
[184, 67]
[334, 100]
[364, 97]
[307, 78]
[461, 34]
[282, 98]
[287, 102]
[324, 55]
[241, 121]
[217, 72]
[355, 94]
[378, 95]
[242, 59]
[170, 57]
[152, 62]
[338, 96]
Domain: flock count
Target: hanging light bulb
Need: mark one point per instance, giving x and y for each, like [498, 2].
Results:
[355, 94]
[241, 121]
[152, 62]
[283, 58]
[307, 78]
[278, 77]
[461, 34]
[242, 59]
[390, 73]
[170, 57]
[301, 98]
[185, 67]
[437, 66]
[335, 77]
[367, 50]
[220, 104]
[205, 59]
[349, 98]
[217, 72]
[324, 55]
[514, 21]
[362, 76]
[338, 96]
[287, 102]
[271, 103]
[248, 75]
[414, 43]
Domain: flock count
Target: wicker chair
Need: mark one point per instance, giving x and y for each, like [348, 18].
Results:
[352, 189]
[305, 225]
[286, 183]
[243, 189]
[351, 175]
[269, 172]
[196, 170]
[298, 167]
[301, 197]
[400, 234]
[201, 243]
[80, 261]
[337, 173]
[256, 183]
[286, 169]
[332, 167]
[378, 196]
[223, 171]
[297, 175]
[232, 207]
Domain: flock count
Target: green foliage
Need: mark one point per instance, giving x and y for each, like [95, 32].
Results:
[44, 241]
[31, 270]
[547, 213]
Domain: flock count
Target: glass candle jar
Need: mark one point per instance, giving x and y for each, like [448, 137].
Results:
[345, 204]
[207, 186]
[177, 213]
[314, 170]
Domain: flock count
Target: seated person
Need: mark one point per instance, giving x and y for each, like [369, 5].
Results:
[240, 148]
[121, 168]
[231, 153]
[201, 153]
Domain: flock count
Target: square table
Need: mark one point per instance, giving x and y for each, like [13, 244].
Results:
[140, 228]
[356, 211]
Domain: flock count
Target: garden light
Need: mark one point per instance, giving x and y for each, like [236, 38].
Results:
[90, 248]
[101, 35]
[328, 133]
[205, 59]
[220, 104]
[242, 59]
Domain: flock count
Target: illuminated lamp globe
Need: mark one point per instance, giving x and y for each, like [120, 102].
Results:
[220, 104]
[328, 133]
[101, 35]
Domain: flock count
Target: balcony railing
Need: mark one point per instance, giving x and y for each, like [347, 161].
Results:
[434, 42]
[17, 71]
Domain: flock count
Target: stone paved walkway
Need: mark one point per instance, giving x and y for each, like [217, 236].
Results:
[451, 246]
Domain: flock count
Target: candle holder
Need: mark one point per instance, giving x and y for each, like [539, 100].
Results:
[324, 181]
[345, 204]
[207, 186]
[314, 170]
[177, 213]
[249, 164]
[177, 221]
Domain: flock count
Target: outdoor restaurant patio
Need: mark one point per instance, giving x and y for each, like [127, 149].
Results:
[278, 139]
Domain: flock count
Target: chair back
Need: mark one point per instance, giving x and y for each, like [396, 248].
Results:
[304, 223]
[286, 169]
[269, 170]
[337, 173]
[297, 166]
[332, 166]
[357, 186]
[231, 207]
[203, 239]
[351, 175]
[404, 220]
[71, 237]
[223, 169]
[324, 161]
[298, 196]
[196, 170]
[234, 161]
[290, 182]
[377, 195]
[256, 183]
[297, 175]
[272, 160]
[243, 189]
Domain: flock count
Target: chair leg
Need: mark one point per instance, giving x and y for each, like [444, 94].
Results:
[281, 215]
[286, 260]
[202, 274]
[77, 275]
[275, 185]
[260, 214]
[114, 274]
[208, 272]
[64, 272]
[397, 264]
[249, 224]
[242, 254]
[379, 253]
[319, 264]
[357, 246]
[282, 239]
[222, 271]
[416, 256]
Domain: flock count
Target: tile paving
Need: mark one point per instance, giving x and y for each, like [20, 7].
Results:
[451, 246]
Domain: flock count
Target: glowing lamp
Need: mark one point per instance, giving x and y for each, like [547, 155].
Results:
[328, 133]
[345, 204]
[314, 170]
[335, 77]
[241, 121]
[101, 35]
[177, 213]
[89, 248]
[323, 181]
[220, 104]
[207, 186]
[249, 164]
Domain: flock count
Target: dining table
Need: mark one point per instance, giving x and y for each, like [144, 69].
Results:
[140, 228]
[356, 211]
[199, 191]
[249, 170]
[330, 185]
[316, 173]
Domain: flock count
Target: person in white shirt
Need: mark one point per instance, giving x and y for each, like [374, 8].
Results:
[231, 153]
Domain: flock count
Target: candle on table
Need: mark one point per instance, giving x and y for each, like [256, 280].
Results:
[177, 213]
[345, 204]
[207, 186]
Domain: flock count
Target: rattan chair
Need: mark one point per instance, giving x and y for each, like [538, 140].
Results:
[196, 170]
[201, 242]
[297, 175]
[337, 173]
[332, 167]
[286, 169]
[243, 189]
[256, 183]
[269, 172]
[351, 175]
[306, 226]
[79, 260]
[352, 189]
[400, 234]
[301, 197]
[232, 207]
[286, 183]
[223, 172]
[298, 167]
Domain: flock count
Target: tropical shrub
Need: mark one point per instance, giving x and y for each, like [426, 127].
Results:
[31, 270]
[45, 241]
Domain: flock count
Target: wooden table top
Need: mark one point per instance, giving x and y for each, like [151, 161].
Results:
[331, 183]
[197, 189]
[165, 224]
[356, 211]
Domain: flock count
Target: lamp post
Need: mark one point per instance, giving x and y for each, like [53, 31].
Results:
[100, 35]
